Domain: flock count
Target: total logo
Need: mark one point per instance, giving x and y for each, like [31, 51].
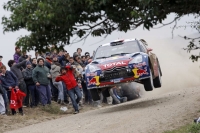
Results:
[115, 64]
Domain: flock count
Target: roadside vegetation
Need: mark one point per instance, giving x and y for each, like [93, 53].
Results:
[190, 128]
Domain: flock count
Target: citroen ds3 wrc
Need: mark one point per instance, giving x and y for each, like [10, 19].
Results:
[123, 61]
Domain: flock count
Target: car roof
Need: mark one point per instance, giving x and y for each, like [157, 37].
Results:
[119, 40]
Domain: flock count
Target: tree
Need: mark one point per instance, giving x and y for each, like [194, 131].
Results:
[194, 43]
[57, 21]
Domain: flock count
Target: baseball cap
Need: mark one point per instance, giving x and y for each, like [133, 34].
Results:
[87, 53]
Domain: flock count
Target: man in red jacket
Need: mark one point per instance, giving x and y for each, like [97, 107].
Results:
[67, 76]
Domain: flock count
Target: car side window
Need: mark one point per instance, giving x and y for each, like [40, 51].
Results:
[144, 49]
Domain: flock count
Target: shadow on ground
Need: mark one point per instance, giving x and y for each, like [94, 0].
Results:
[138, 104]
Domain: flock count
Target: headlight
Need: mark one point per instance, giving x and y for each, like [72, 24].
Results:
[93, 68]
[136, 59]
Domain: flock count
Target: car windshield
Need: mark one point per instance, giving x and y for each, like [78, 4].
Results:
[124, 48]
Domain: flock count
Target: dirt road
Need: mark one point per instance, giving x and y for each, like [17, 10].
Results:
[152, 114]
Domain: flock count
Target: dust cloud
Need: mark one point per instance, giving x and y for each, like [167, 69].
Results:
[179, 72]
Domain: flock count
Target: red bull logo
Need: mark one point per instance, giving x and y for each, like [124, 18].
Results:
[139, 72]
[94, 81]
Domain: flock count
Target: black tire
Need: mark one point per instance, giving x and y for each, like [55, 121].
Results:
[148, 83]
[95, 94]
[157, 83]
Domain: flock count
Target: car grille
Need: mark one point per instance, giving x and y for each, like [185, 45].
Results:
[116, 73]
[114, 69]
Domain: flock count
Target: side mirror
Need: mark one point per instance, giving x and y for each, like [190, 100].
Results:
[149, 49]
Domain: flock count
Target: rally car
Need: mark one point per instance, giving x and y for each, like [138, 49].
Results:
[122, 61]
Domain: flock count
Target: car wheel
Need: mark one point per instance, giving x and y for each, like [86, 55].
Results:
[157, 82]
[148, 83]
[95, 94]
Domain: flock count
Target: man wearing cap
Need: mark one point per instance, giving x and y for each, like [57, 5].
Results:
[27, 73]
[17, 54]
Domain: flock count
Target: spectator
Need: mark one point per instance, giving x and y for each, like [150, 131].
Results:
[55, 59]
[77, 53]
[54, 90]
[27, 73]
[41, 77]
[84, 60]
[9, 81]
[48, 60]
[17, 54]
[59, 59]
[23, 57]
[79, 61]
[87, 54]
[37, 55]
[66, 60]
[87, 58]
[34, 62]
[15, 68]
[1, 57]
[2, 105]
[68, 78]
[116, 98]
[1, 64]
[88, 98]
[55, 71]
[4, 94]
[71, 61]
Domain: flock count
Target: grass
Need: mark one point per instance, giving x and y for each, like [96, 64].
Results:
[52, 109]
[190, 128]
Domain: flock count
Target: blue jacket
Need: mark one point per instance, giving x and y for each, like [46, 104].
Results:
[9, 79]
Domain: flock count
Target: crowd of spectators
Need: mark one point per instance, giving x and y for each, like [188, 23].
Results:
[51, 76]
[54, 75]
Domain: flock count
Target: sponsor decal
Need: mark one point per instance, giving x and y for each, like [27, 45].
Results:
[138, 65]
[114, 64]
[116, 80]
[94, 81]
[139, 72]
